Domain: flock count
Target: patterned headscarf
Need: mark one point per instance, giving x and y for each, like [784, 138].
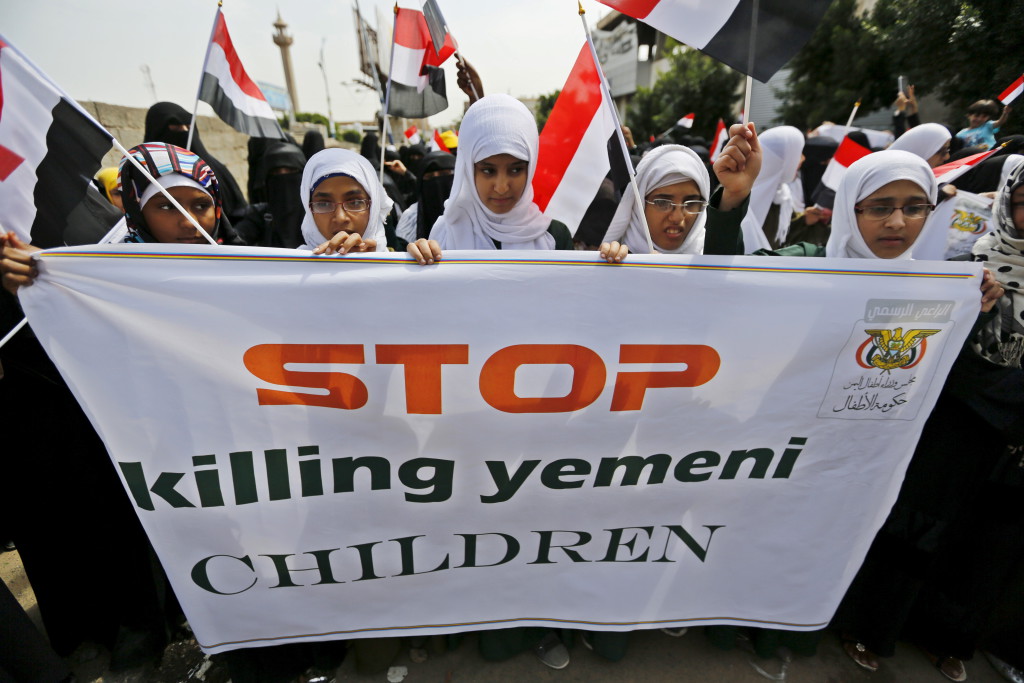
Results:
[161, 159]
[1002, 339]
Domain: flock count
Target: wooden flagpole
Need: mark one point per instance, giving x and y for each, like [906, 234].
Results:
[199, 90]
[853, 113]
[618, 128]
[752, 45]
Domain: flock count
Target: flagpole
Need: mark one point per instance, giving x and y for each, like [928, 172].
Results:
[856, 106]
[618, 129]
[750, 61]
[458, 56]
[199, 90]
[14, 331]
[387, 97]
[174, 202]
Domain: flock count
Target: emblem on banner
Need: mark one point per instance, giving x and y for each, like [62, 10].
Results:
[890, 350]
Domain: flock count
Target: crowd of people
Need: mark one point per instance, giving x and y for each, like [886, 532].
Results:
[943, 572]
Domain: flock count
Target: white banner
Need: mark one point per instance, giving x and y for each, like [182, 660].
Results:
[342, 447]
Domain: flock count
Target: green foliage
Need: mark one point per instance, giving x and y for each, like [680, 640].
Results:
[545, 103]
[351, 136]
[309, 117]
[693, 83]
[959, 50]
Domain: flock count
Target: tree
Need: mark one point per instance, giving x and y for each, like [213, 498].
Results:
[959, 50]
[545, 103]
[844, 61]
[694, 83]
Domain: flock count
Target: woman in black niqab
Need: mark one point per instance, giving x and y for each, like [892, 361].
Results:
[168, 122]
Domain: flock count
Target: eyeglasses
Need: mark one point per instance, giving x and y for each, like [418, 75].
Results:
[349, 205]
[692, 206]
[911, 212]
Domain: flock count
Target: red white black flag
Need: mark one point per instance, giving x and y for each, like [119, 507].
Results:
[718, 143]
[228, 89]
[50, 148]
[417, 82]
[847, 153]
[947, 173]
[721, 28]
[578, 147]
[1013, 91]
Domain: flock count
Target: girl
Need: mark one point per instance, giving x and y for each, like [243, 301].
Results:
[678, 203]
[771, 201]
[346, 206]
[930, 141]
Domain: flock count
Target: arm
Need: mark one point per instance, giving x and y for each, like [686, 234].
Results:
[1003, 117]
[469, 79]
[738, 165]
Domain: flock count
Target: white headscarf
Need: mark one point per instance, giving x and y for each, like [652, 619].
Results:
[925, 140]
[781, 149]
[665, 165]
[863, 177]
[495, 124]
[336, 161]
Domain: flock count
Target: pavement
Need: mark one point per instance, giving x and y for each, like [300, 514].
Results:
[652, 657]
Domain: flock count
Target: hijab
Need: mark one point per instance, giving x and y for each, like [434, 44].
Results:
[171, 166]
[337, 161]
[1001, 340]
[312, 143]
[107, 178]
[863, 177]
[495, 124]
[925, 140]
[662, 166]
[781, 148]
[160, 117]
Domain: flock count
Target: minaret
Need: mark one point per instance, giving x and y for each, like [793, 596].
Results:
[284, 41]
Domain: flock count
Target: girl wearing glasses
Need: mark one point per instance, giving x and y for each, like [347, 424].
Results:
[346, 206]
[679, 209]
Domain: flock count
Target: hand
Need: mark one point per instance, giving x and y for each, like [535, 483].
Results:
[425, 252]
[468, 79]
[991, 290]
[812, 215]
[17, 267]
[901, 101]
[397, 166]
[628, 135]
[911, 101]
[345, 242]
[613, 252]
[738, 165]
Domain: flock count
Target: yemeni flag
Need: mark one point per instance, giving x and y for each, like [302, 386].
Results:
[847, 153]
[417, 86]
[412, 134]
[721, 28]
[1012, 92]
[578, 147]
[437, 143]
[947, 173]
[718, 142]
[50, 148]
[686, 121]
[226, 87]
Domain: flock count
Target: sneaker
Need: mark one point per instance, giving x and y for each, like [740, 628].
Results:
[551, 652]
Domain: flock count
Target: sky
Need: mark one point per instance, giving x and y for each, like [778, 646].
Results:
[97, 51]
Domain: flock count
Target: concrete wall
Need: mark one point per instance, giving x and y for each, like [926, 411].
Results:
[127, 125]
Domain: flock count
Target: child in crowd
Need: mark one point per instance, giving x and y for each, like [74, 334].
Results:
[982, 131]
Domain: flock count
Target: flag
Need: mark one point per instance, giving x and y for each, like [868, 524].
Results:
[437, 144]
[947, 173]
[686, 121]
[578, 147]
[417, 83]
[226, 87]
[50, 148]
[721, 28]
[847, 153]
[718, 142]
[412, 134]
[1012, 92]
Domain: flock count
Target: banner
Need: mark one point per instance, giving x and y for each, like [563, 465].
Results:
[533, 438]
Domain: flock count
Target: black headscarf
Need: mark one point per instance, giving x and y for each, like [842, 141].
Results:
[818, 151]
[433, 192]
[312, 143]
[160, 117]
